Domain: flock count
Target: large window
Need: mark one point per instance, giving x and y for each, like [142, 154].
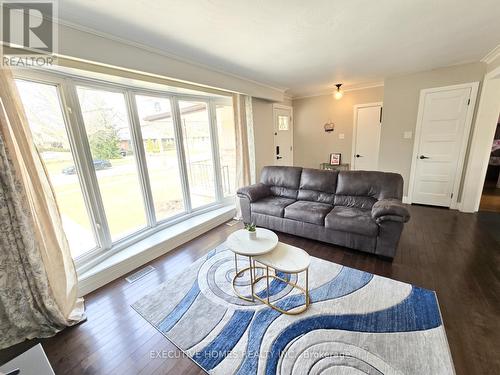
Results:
[160, 145]
[126, 161]
[108, 131]
[198, 150]
[46, 120]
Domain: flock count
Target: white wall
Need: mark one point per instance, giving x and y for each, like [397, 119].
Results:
[401, 97]
[312, 145]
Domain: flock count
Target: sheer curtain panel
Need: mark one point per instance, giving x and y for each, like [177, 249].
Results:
[38, 282]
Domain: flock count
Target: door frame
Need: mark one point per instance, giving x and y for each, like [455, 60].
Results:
[286, 107]
[480, 148]
[474, 86]
[355, 129]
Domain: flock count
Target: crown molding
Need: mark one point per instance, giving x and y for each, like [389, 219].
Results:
[364, 86]
[492, 55]
[163, 53]
[361, 86]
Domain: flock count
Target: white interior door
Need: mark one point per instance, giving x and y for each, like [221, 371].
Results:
[283, 136]
[441, 129]
[367, 137]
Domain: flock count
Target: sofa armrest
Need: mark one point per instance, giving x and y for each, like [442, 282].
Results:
[254, 192]
[390, 210]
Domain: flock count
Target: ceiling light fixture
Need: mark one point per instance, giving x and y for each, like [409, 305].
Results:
[339, 93]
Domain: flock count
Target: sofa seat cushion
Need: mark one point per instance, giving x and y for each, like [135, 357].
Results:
[353, 220]
[273, 206]
[309, 212]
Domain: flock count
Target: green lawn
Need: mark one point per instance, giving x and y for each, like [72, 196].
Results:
[121, 194]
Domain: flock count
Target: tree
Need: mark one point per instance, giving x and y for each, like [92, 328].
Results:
[104, 118]
[104, 144]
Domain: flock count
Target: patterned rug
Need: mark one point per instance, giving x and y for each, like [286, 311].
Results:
[358, 323]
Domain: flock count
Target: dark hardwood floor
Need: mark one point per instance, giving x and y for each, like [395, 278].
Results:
[490, 199]
[447, 251]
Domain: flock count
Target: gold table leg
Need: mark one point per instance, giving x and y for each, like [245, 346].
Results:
[235, 263]
[267, 282]
[251, 268]
[254, 280]
[252, 277]
[305, 291]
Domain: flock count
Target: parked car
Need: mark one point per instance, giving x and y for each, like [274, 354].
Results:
[101, 164]
[69, 170]
[98, 165]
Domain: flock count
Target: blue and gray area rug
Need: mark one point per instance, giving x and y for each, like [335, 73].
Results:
[358, 323]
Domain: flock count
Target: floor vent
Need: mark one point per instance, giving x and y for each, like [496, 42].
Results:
[232, 222]
[141, 273]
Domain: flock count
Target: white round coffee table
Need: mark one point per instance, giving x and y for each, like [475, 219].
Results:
[288, 259]
[240, 243]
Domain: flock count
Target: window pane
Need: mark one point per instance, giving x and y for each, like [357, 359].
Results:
[227, 147]
[43, 109]
[283, 123]
[198, 150]
[108, 131]
[157, 128]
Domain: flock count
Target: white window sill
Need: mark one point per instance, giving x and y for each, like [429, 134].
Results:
[150, 248]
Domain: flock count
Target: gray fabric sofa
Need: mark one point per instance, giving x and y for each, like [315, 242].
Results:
[357, 209]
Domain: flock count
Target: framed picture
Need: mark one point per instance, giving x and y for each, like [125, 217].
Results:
[335, 158]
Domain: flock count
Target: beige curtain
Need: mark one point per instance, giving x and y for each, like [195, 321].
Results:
[243, 121]
[38, 283]
[242, 145]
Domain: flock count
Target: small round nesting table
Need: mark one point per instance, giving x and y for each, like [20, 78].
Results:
[265, 250]
[288, 259]
[241, 243]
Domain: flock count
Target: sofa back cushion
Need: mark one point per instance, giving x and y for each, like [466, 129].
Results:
[363, 188]
[318, 185]
[283, 181]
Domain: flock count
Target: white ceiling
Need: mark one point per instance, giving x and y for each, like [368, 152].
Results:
[299, 45]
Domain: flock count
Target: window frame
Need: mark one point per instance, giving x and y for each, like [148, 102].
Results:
[229, 199]
[214, 145]
[179, 151]
[66, 85]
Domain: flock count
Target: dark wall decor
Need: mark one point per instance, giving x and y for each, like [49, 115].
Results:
[329, 127]
[335, 158]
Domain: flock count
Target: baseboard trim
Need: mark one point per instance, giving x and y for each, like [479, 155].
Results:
[149, 249]
[453, 206]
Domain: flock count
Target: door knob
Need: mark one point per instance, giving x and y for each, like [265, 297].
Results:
[358, 156]
[279, 157]
[423, 157]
